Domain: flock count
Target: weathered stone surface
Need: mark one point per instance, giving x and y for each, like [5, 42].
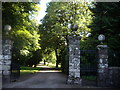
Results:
[74, 60]
[1, 57]
[113, 77]
[6, 52]
[0, 67]
[6, 40]
[6, 72]
[0, 72]
[5, 56]
[5, 67]
[7, 62]
[102, 65]
[1, 62]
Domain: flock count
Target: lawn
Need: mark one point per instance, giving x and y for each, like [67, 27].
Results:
[28, 70]
[93, 78]
[51, 65]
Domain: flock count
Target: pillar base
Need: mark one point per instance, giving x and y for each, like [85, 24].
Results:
[5, 79]
[72, 80]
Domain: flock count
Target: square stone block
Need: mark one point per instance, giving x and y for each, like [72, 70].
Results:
[69, 81]
[1, 57]
[7, 46]
[100, 71]
[6, 72]
[6, 67]
[7, 56]
[70, 68]
[6, 52]
[7, 41]
[103, 56]
[77, 75]
[7, 62]
[1, 62]
[78, 81]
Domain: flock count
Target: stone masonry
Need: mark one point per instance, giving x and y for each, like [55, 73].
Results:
[5, 58]
[74, 60]
[114, 77]
[102, 65]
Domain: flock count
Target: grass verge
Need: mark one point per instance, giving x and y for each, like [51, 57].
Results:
[93, 78]
[28, 70]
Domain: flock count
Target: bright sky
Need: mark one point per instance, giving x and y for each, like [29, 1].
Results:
[43, 8]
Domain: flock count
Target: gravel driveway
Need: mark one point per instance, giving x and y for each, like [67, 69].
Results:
[45, 80]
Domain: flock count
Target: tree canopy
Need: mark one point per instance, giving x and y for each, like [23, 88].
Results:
[48, 41]
[55, 25]
[24, 28]
[106, 21]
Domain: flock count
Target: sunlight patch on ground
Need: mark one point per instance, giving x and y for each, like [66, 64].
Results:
[43, 66]
[50, 71]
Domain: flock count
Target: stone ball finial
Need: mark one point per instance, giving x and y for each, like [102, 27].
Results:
[74, 27]
[7, 28]
[101, 37]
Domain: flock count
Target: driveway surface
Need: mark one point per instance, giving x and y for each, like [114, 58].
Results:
[46, 79]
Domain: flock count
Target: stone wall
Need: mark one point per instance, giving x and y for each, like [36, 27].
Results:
[113, 77]
[74, 60]
[107, 76]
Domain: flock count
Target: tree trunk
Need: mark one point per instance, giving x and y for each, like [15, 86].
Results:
[44, 62]
[57, 61]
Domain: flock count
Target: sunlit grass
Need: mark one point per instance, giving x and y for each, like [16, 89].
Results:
[51, 65]
[23, 72]
[28, 70]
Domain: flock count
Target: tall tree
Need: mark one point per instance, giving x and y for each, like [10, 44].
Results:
[56, 23]
[24, 28]
[107, 21]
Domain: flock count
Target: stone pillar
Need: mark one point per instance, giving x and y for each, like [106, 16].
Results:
[6, 58]
[102, 65]
[74, 60]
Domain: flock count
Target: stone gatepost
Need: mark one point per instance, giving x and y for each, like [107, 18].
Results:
[102, 65]
[74, 60]
[5, 58]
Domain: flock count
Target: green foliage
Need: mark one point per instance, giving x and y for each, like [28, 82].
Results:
[24, 31]
[106, 21]
[55, 26]
[35, 58]
[61, 15]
